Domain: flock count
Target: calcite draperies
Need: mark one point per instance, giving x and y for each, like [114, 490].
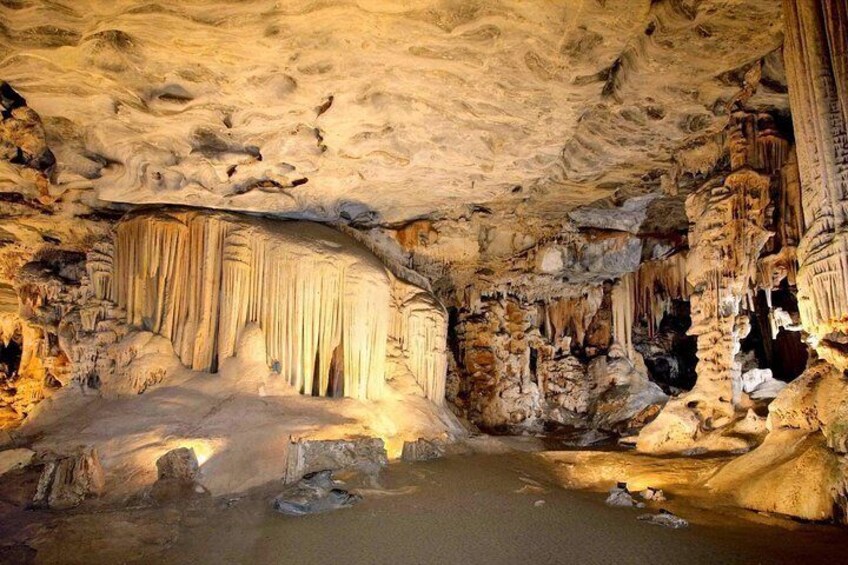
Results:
[419, 327]
[323, 302]
[816, 54]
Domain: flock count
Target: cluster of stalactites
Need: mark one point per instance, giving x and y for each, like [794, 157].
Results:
[756, 142]
[571, 317]
[657, 283]
[419, 328]
[200, 278]
[647, 294]
[623, 312]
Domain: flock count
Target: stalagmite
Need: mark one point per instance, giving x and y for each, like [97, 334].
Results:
[728, 232]
[322, 301]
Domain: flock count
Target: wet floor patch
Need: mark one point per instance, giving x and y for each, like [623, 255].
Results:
[474, 509]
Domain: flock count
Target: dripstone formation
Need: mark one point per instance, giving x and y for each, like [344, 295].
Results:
[362, 234]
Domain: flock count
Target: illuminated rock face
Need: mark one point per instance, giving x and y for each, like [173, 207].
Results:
[801, 468]
[323, 302]
[817, 70]
[727, 236]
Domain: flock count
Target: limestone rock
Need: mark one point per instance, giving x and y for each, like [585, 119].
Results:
[653, 494]
[815, 52]
[665, 519]
[161, 116]
[178, 472]
[314, 493]
[11, 459]
[235, 263]
[630, 395]
[66, 481]
[422, 450]
[793, 473]
[178, 464]
[628, 217]
[728, 232]
[760, 384]
[621, 497]
[308, 456]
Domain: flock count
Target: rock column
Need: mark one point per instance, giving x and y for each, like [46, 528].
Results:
[816, 54]
[727, 234]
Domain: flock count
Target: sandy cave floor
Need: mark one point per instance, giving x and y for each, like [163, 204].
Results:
[461, 509]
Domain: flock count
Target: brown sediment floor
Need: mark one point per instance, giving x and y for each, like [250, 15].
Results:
[463, 509]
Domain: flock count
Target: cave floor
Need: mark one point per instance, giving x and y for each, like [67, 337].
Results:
[463, 509]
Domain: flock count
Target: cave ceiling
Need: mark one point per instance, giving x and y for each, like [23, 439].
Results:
[381, 112]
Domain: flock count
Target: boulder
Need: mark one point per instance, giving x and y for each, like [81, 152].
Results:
[793, 473]
[177, 471]
[307, 456]
[629, 400]
[621, 497]
[759, 384]
[66, 481]
[653, 494]
[665, 519]
[178, 464]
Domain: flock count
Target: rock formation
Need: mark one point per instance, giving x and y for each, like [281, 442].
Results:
[66, 481]
[728, 233]
[816, 51]
[322, 245]
[198, 279]
[800, 468]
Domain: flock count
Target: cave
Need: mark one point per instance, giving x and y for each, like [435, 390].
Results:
[358, 281]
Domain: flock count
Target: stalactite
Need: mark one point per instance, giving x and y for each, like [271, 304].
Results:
[657, 283]
[199, 278]
[623, 312]
[571, 317]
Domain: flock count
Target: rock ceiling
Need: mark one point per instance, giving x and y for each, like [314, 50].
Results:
[377, 111]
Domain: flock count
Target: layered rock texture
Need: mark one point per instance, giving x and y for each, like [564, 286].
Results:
[816, 52]
[252, 106]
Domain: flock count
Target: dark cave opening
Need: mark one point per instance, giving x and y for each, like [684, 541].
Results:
[785, 354]
[670, 354]
[10, 357]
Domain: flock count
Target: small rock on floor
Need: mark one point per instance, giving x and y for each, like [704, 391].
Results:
[653, 494]
[666, 519]
[312, 494]
[621, 497]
